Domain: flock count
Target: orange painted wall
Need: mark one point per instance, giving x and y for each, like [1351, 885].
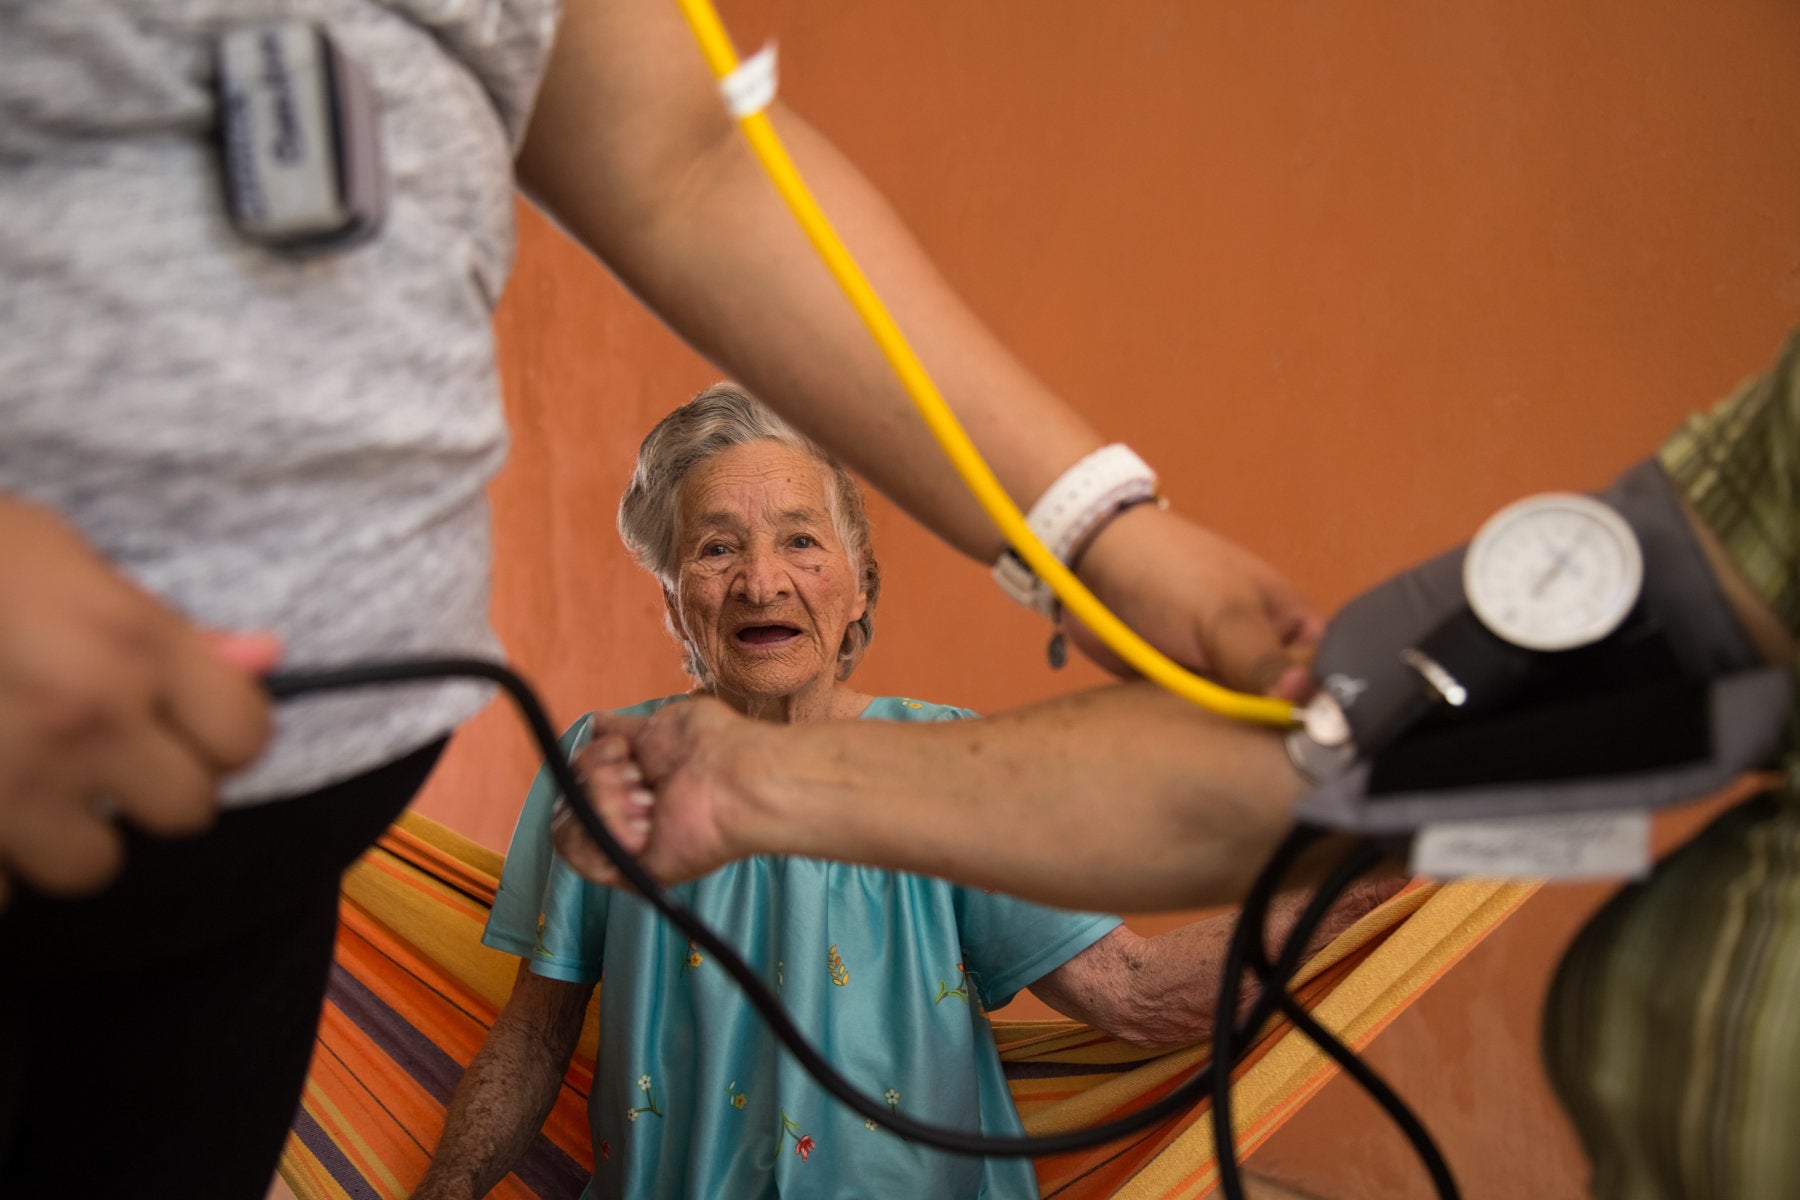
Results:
[1350, 276]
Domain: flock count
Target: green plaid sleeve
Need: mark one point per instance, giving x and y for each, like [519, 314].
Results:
[1739, 465]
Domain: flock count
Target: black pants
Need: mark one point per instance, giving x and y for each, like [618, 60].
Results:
[154, 1038]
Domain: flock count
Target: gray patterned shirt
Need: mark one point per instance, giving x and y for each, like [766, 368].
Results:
[267, 442]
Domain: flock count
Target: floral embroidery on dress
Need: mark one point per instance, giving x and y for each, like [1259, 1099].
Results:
[606, 1150]
[738, 1099]
[892, 1097]
[803, 1143]
[912, 704]
[840, 974]
[694, 957]
[649, 1090]
[960, 991]
[540, 950]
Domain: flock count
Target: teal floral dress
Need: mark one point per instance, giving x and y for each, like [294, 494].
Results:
[890, 975]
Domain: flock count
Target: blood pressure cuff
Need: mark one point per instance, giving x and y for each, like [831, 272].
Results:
[1670, 707]
[1584, 757]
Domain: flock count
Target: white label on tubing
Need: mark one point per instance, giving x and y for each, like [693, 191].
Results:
[1562, 846]
[749, 88]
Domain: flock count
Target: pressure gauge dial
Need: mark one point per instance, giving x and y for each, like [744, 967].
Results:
[1553, 572]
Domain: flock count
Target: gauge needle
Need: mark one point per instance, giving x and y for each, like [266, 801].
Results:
[1559, 560]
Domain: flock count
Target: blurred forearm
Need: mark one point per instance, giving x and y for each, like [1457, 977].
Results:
[633, 152]
[1125, 797]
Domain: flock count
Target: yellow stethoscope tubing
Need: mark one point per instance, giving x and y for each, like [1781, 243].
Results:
[722, 58]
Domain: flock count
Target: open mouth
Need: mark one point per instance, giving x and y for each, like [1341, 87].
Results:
[766, 635]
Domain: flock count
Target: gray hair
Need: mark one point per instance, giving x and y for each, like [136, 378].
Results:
[715, 420]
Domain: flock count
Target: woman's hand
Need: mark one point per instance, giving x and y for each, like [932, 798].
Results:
[1203, 601]
[696, 755]
[110, 704]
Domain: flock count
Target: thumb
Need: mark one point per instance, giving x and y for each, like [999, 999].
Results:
[1248, 654]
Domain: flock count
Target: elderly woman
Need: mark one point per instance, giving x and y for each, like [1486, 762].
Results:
[762, 548]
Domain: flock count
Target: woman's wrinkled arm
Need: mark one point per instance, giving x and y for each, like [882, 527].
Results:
[1161, 992]
[509, 1088]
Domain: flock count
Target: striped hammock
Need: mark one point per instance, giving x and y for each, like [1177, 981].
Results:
[413, 991]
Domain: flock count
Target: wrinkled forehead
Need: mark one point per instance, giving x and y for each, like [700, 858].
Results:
[758, 484]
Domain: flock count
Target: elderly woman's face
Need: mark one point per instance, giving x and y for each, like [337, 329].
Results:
[765, 591]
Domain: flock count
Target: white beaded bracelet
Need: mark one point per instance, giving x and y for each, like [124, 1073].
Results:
[1070, 512]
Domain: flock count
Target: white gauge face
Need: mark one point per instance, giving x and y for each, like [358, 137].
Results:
[1553, 572]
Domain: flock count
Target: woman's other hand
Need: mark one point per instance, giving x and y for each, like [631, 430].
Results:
[1205, 602]
[110, 705]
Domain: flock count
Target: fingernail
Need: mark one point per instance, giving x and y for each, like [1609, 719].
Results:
[641, 798]
[1296, 683]
[251, 651]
